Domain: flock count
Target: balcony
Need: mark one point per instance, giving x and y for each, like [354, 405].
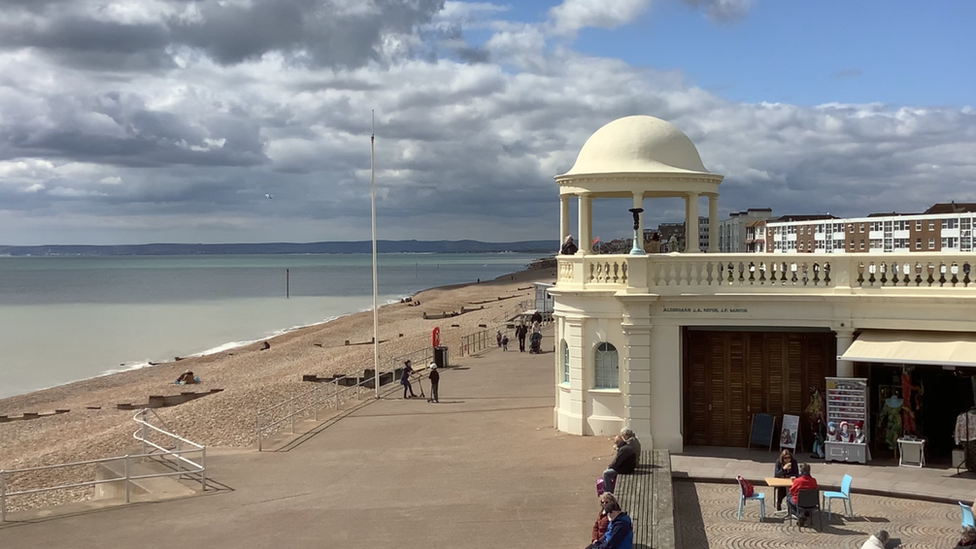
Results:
[704, 274]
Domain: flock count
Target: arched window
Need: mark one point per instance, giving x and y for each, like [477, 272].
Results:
[605, 367]
[565, 362]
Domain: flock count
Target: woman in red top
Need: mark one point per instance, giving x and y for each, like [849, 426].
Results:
[802, 482]
[602, 521]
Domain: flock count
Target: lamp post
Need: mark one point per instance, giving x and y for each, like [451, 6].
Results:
[637, 249]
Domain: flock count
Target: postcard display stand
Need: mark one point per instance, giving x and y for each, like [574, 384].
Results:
[847, 400]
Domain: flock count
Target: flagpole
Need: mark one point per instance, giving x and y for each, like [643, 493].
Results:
[372, 203]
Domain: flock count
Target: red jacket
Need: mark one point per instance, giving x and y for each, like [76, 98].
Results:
[802, 482]
[600, 527]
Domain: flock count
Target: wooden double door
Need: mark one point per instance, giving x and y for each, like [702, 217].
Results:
[730, 375]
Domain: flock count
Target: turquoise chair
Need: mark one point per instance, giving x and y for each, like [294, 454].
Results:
[756, 496]
[844, 495]
[967, 515]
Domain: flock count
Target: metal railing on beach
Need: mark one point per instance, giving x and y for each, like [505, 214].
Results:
[159, 451]
[328, 394]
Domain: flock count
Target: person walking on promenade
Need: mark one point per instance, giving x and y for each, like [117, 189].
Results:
[435, 379]
[498, 337]
[505, 342]
[405, 380]
[520, 332]
[785, 468]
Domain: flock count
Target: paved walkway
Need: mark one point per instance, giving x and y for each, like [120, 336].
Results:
[878, 477]
[482, 469]
[706, 517]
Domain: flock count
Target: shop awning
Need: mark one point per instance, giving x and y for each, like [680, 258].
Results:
[905, 347]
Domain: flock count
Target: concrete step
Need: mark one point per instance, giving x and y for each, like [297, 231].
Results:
[142, 489]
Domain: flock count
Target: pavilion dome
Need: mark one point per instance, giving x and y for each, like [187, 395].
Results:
[638, 145]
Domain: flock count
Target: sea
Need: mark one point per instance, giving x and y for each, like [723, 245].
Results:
[64, 319]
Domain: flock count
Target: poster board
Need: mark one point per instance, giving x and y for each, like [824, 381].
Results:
[789, 432]
[763, 430]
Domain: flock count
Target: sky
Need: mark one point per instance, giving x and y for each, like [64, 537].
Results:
[138, 121]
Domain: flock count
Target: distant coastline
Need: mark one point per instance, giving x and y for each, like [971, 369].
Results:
[283, 248]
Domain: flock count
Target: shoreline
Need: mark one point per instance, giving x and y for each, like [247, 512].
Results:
[232, 344]
[249, 379]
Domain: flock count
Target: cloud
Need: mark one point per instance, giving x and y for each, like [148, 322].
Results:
[722, 11]
[143, 35]
[463, 150]
[572, 15]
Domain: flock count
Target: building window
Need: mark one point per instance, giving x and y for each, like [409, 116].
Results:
[565, 348]
[931, 243]
[606, 366]
[862, 245]
[918, 243]
[918, 225]
[931, 225]
[861, 227]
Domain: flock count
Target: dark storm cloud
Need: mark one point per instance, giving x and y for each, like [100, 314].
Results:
[119, 129]
[324, 33]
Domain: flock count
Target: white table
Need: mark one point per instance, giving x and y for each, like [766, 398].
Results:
[911, 452]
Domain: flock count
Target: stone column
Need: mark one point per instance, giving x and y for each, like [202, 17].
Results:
[845, 336]
[691, 223]
[563, 218]
[576, 341]
[635, 379]
[712, 223]
[585, 216]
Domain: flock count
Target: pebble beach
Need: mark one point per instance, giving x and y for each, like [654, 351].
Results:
[249, 379]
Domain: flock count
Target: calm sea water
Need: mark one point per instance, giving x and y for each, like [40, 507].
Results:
[68, 318]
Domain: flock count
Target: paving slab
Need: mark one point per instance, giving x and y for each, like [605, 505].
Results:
[706, 517]
[880, 477]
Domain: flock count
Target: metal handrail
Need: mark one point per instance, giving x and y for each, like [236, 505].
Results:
[318, 400]
[140, 435]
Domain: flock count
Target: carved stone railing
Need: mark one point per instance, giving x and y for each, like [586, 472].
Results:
[669, 274]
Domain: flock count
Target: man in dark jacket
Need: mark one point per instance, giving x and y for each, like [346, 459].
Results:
[624, 461]
[405, 379]
[620, 533]
[435, 378]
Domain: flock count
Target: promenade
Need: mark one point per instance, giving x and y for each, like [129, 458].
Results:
[482, 469]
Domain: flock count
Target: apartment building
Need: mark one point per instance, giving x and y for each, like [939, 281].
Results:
[945, 227]
[667, 230]
[732, 231]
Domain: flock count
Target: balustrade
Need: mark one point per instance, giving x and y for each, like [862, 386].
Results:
[715, 273]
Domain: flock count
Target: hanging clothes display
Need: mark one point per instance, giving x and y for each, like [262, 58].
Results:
[965, 435]
[891, 419]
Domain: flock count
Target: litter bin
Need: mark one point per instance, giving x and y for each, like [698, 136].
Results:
[440, 357]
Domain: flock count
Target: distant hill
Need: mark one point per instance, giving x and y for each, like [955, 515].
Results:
[365, 246]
